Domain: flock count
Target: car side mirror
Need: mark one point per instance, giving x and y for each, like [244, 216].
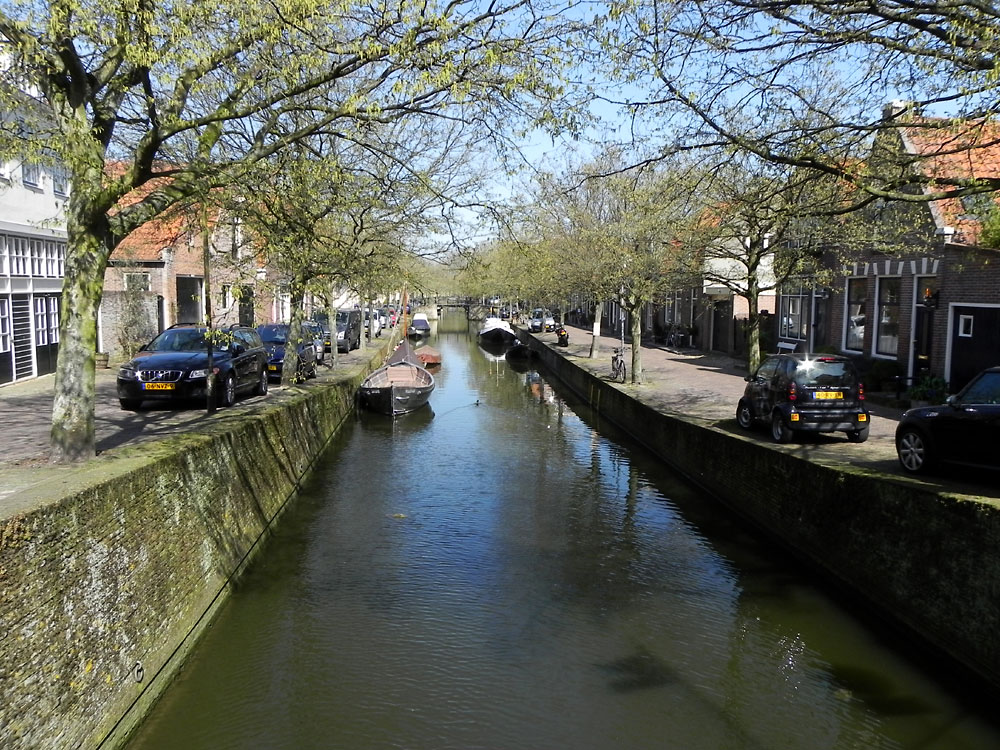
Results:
[748, 377]
[953, 401]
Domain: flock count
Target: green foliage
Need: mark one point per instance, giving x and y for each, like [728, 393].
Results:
[930, 388]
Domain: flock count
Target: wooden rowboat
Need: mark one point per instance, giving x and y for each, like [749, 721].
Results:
[397, 388]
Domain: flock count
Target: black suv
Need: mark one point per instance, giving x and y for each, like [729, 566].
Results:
[803, 393]
[173, 366]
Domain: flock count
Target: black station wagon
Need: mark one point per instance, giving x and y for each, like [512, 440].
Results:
[805, 393]
[174, 366]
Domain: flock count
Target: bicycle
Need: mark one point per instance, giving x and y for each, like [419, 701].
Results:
[618, 364]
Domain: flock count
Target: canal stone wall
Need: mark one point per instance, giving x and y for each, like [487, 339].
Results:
[926, 561]
[105, 588]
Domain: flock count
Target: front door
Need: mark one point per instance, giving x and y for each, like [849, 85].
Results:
[923, 328]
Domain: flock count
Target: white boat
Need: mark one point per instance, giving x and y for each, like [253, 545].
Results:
[419, 327]
[497, 331]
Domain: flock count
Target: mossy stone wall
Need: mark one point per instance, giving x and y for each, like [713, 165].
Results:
[925, 560]
[103, 590]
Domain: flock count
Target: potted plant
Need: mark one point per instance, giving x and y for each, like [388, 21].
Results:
[928, 390]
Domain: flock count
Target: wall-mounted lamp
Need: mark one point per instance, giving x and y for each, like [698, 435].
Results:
[930, 300]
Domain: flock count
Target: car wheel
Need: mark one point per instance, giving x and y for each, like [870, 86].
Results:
[311, 372]
[227, 397]
[779, 431]
[130, 404]
[913, 450]
[858, 436]
[262, 383]
[744, 415]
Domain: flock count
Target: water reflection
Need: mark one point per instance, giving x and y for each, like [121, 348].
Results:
[494, 572]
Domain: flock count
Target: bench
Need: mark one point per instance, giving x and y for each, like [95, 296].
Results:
[786, 347]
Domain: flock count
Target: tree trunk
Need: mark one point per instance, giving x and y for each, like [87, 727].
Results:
[71, 437]
[595, 343]
[753, 329]
[290, 364]
[635, 331]
[331, 319]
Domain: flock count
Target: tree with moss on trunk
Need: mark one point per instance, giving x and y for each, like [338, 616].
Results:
[168, 101]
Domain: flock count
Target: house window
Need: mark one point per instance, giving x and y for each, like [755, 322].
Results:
[4, 256]
[36, 251]
[857, 293]
[60, 181]
[31, 174]
[55, 259]
[965, 326]
[18, 256]
[887, 341]
[41, 328]
[793, 319]
[227, 296]
[4, 325]
[138, 282]
[52, 303]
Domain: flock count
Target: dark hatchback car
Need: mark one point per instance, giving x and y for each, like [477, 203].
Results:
[802, 393]
[174, 366]
[275, 338]
[963, 430]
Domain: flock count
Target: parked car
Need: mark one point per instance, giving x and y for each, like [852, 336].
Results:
[963, 430]
[174, 366]
[541, 321]
[275, 338]
[373, 323]
[805, 393]
[319, 337]
[348, 330]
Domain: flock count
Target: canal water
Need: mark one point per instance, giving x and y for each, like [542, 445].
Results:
[500, 571]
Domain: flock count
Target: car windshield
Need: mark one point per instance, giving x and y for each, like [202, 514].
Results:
[181, 340]
[822, 373]
[985, 390]
[273, 334]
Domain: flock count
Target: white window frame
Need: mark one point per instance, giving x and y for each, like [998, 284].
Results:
[876, 339]
[5, 324]
[31, 174]
[19, 255]
[41, 324]
[965, 331]
[848, 314]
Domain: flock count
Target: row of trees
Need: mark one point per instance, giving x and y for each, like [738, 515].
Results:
[151, 105]
[606, 229]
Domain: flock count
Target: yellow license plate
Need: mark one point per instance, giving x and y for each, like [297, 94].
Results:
[157, 386]
[828, 394]
[272, 368]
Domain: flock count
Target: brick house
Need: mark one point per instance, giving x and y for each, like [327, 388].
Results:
[933, 308]
[156, 278]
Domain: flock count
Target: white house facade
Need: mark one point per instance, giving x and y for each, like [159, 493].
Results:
[32, 261]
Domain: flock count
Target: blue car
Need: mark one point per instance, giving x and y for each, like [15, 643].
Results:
[275, 338]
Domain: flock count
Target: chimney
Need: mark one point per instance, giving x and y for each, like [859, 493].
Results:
[899, 109]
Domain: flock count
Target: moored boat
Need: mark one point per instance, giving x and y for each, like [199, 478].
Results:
[498, 331]
[420, 326]
[397, 388]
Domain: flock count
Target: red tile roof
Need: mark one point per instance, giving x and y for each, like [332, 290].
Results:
[964, 149]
